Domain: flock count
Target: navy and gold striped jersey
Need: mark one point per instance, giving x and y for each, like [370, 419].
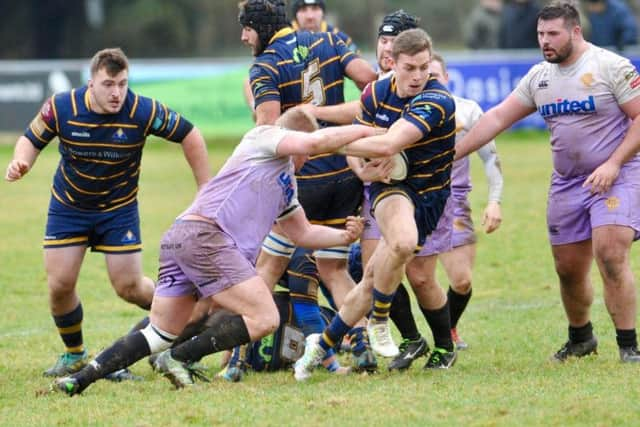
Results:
[100, 153]
[433, 112]
[325, 27]
[304, 67]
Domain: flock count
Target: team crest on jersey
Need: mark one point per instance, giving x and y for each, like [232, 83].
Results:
[612, 203]
[300, 53]
[119, 135]
[587, 79]
[129, 237]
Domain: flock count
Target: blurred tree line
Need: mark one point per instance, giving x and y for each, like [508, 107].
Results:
[187, 28]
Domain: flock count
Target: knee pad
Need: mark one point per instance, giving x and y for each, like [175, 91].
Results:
[157, 339]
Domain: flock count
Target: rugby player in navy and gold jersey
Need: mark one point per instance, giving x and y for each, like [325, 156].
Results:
[292, 68]
[102, 128]
[309, 15]
[421, 115]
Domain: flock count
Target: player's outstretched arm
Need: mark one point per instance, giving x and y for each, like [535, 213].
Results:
[195, 151]
[311, 236]
[400, 135]
[341, 114]
[326, 140]
[24, 156]
[491, 124]
[361, 72]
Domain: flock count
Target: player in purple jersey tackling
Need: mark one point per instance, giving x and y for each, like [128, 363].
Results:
[102, 128]
[211, 249]
[590, 100]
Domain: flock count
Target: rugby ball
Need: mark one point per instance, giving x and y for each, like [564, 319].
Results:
[400, 167]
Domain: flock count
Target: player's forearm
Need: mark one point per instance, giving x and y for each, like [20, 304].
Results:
[195, 152]
[630, 145]
[24, 151]
[330, 139]
[342, 114]
[370, 147]
[492, 170]
[319, 237]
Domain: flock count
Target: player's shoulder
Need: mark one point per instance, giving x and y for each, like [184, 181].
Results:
[435, 92]
[465, 104]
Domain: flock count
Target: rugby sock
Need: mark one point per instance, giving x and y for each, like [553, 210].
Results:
[440, 325]
[307, 313]
[70, 329]
[124, 352]
[581, 333]
[192, 329]
[381, 306]
[358, 340]
[402, 316]
[626, 338]
[140, 325]
[333, 333]
[224, 331]
[457, 304]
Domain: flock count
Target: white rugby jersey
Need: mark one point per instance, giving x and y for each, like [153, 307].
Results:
[580, 104]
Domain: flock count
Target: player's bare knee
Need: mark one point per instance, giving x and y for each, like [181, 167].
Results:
[267, 322]
[462, 285]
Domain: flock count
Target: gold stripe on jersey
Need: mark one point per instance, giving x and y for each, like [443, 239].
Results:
[175, 127]
[73, 102]
[329, 61]
[166, 117]
[80, 190]
[97, 178]
[103, 125]
[429, 175]
[291, 83]
[37, 121]
[272, 92]
[433, 104]
[87, 100]
[391, 107]
[69, 241]
[269, 51]
[264, 64]
[259, 79]
[285, 62]
[123, 198]
[336, 83]
[418, 118]
[316, 43]
[373, 94]
[362, 122]
[440, 91]
[100, 144]
[330, 37]
[436, 157]
[108, 248]
[430, 140]
[346, 55]
[134, 108]
[302, 276]
[336, 221]
[435, 188]
[152, 117]
[393, 85]
[322, 175]
[55, 113]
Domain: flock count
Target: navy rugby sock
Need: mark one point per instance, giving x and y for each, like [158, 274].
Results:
[402, 316]
[626, 338]
[457, 305]
[440, 325]
[70, 329]
[581, 333]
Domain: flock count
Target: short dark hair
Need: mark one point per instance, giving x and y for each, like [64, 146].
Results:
[296, 5]
[560, 9]
[113, 60]
[411, 42]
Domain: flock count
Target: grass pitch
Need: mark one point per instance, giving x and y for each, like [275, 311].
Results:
[513, 324]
